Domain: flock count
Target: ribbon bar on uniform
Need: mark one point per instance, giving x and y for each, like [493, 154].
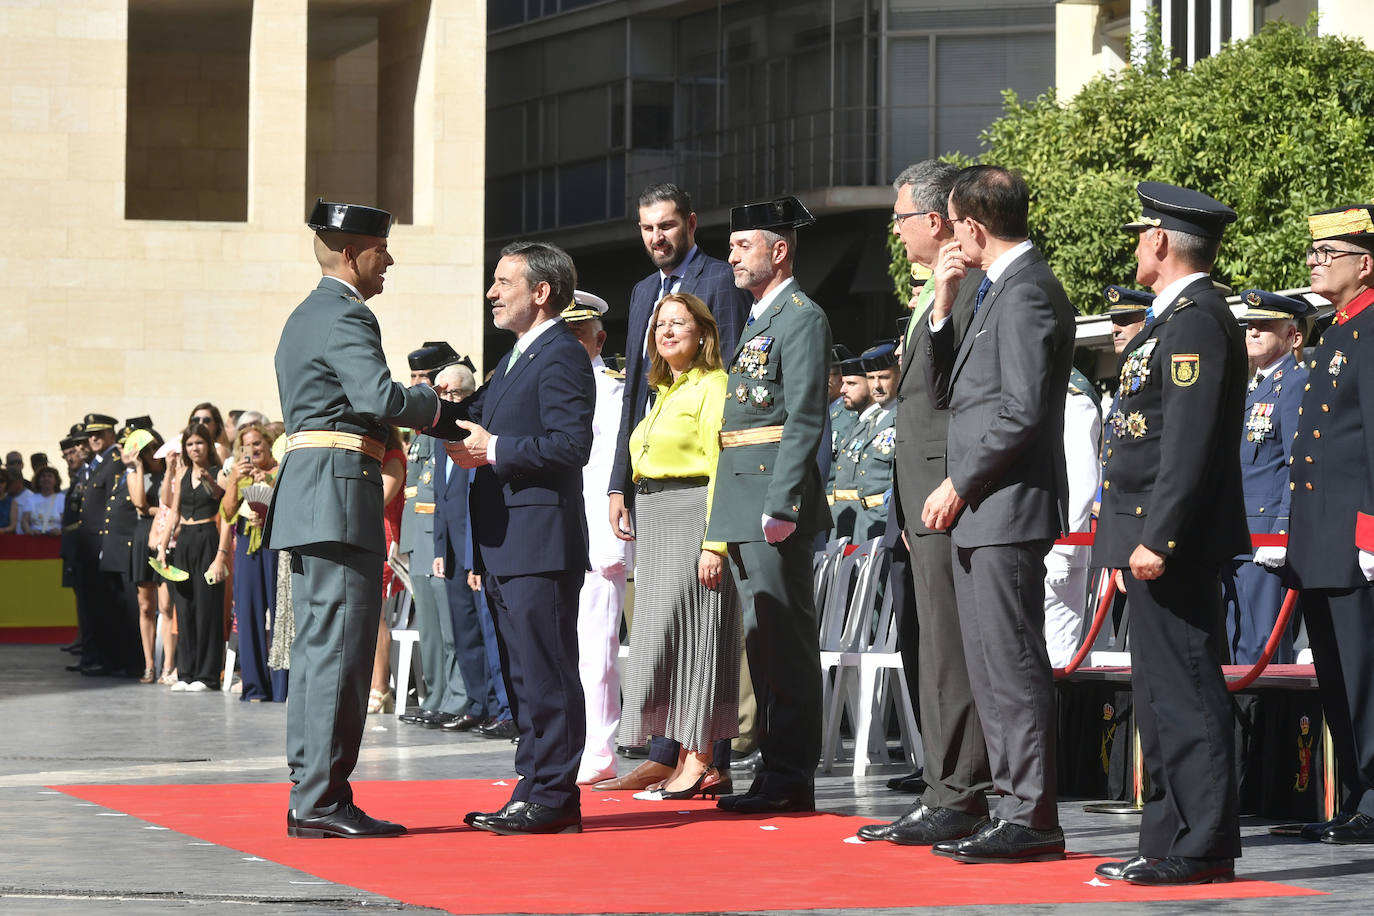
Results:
[760, 436]
[324, 438]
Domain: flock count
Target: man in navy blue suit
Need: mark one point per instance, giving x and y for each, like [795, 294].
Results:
[1251, 584]
[529, 437]
[668, 227]
[483, 710]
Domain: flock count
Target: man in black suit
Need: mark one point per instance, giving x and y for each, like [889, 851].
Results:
[1005, 496]
[956, 772]
[1173, 512]
[668, 228]
[530, 436]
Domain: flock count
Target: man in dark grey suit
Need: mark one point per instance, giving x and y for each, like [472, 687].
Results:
[956, 773]
[1005, 498]
[337, 399]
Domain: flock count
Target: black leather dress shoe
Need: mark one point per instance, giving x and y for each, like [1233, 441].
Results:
[1358, 831]
[463, 723]
[923, 826]
[349, 822]
[531, 819]
[1115, 870]
[1312, 831]
[511, 807]
[93, 670]
[502, 728]
[416, 716]
[1003, 841]
[759, 803]
[1175, 870]
[438, 719]
[911, 782]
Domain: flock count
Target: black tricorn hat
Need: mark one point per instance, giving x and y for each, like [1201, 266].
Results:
[354, 219]
[70, 442]
[838, 354]
[782, 213]
[432, 356]
[882, 355]
[133, 423]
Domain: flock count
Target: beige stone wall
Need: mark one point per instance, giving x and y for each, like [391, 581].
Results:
[133, 316]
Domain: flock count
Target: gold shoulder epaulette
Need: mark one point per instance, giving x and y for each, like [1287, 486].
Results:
[797, 299]
[1182, 303]
[615, 374]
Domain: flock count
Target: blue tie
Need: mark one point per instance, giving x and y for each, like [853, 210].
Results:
[982, 291]
[667, 285]
[1149, 314]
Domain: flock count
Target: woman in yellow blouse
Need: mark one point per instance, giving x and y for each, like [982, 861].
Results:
[682, 680]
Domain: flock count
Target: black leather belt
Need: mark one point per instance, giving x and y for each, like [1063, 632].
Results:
[650, 485]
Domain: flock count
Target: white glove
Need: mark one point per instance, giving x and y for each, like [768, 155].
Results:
[1056, 569]
[611, 569]
[1271, 557]
[776, 530]
[1366, 560]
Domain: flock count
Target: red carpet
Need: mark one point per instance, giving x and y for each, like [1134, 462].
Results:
[635, 857]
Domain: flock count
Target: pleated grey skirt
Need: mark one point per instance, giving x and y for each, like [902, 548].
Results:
[681, 680]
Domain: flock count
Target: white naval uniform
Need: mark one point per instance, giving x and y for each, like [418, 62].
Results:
[1066, 568]
[603, 593]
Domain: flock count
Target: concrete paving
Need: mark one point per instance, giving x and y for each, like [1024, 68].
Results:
[62, 856]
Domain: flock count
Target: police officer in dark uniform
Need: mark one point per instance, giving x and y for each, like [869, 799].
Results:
[75, 452]
[99, 650]
[1331, 528]
[1172, 513]
[1251, 583]
[116, 555]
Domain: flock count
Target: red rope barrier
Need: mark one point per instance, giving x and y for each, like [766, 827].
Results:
[1290, 600]
[1103, 606]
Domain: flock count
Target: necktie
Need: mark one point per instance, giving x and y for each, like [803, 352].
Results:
[668, 282]
[982, 291]
[514, 355]
[922, 304]
[1149, 314]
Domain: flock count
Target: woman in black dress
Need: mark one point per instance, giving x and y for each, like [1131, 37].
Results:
[202, 550]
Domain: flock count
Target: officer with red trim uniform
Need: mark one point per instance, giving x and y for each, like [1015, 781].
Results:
[1331, 526]
[1172, 513]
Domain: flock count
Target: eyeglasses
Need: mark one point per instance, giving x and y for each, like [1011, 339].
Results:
[898, 217]
[1322, 257]
[200, 419]
[677, 324]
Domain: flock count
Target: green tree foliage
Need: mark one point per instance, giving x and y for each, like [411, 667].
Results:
[1277, 126]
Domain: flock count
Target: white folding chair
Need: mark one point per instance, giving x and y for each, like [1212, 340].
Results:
[845, 616]
[404, 636]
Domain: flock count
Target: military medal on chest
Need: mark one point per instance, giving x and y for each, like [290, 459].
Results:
[742, 392]
[753, 357]
[1338, 361]
[1135, 371]
[761, 396]
[885, 441]
[1260, 425]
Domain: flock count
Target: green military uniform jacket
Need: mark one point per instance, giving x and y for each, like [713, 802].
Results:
[877, 451]
[332, 375]
[842, 423]
[778, 378]
[417, 527]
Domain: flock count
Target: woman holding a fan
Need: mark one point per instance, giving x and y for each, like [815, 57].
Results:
[247, 491]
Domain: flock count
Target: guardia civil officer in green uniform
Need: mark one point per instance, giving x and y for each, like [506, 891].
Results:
[842, 491]
[445, 696]
[874, 483]
[842, 416]
[1173, 513]
[337, 399]
[769, 500]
